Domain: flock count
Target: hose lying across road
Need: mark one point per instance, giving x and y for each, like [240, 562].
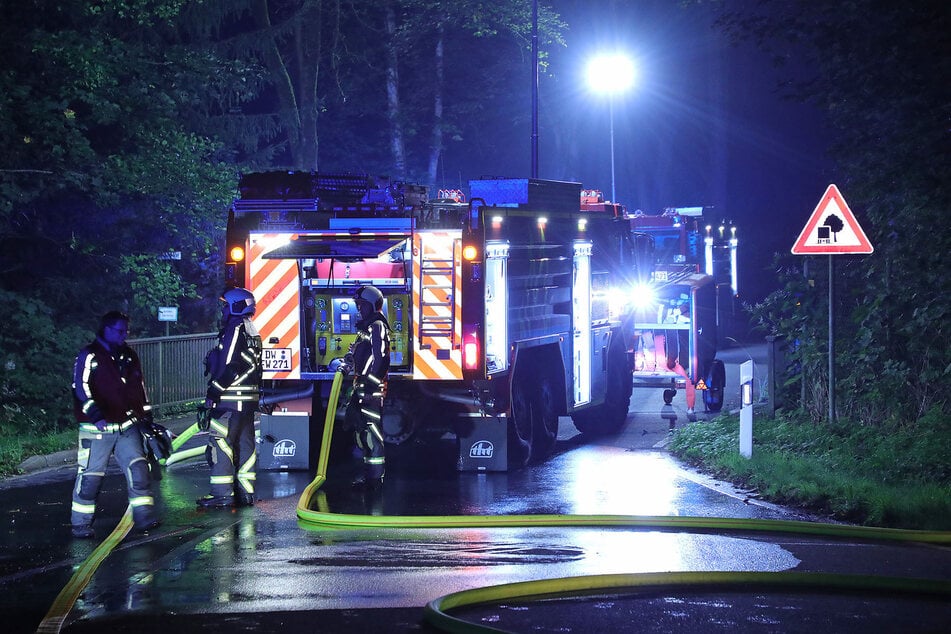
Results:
[587, 585]
[435, 610]
[673, 582]
[324, 519]
[53, 621]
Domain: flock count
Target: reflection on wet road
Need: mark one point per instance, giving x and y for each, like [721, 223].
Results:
[260, 560]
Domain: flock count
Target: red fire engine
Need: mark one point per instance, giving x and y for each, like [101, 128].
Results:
[506, 311]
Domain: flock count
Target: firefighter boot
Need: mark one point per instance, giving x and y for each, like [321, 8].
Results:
[368, 483]
[243, 498]
[215, 501]
[83, 532]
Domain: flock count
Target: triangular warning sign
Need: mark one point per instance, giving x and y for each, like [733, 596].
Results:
[832, 229]
[700, 385]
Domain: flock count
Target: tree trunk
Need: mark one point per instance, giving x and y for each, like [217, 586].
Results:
[289, 113]
[393, 95]
[435, 148]
[308, 61]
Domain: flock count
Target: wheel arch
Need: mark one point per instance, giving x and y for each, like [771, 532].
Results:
[547, 357]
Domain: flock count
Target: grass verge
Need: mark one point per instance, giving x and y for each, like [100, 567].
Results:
[14, 449]
[16, 445]
[891, 477]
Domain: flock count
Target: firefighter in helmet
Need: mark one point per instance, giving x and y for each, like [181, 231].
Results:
[371, 362]
[233, 368]
[111, 405]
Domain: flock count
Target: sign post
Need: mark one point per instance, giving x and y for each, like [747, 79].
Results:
[821, 236]
[167, 314]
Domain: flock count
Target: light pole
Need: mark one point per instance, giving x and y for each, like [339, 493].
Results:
[612, 74]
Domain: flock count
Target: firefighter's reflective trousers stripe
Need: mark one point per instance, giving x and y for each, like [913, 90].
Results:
[233, 453]
[95, 447]
[369, 433]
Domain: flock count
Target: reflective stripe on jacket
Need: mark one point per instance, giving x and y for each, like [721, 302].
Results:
[235, 366]
[108, 385]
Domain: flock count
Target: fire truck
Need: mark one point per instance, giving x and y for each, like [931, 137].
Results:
[508, 308]
[689, 302]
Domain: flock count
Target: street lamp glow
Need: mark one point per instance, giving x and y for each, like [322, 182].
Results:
[613, 73]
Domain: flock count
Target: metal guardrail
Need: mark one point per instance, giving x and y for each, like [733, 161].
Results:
[174, 367]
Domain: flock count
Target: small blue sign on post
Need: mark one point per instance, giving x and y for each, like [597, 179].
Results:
[168, 313]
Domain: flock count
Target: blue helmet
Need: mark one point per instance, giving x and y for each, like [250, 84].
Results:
[238, 301]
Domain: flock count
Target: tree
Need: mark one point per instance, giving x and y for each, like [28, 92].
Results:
[100, 166]
[361, 86]
[423, 25]
[879, 71]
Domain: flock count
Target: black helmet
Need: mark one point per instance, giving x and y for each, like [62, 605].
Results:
[370, 294]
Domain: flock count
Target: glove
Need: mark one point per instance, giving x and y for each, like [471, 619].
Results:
[203, 418]
[339, 365]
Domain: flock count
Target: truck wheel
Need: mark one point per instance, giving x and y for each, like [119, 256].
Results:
[716, 381]
[609, 417]
[544, 419]
[398, 423]
[521, 428]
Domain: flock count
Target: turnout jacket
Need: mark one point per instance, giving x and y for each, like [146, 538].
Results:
[108, 385]
[371, 352]
[234, 366]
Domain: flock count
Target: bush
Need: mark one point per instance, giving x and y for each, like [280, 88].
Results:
[36, 366]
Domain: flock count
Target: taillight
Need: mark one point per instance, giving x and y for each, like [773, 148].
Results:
[470, 352]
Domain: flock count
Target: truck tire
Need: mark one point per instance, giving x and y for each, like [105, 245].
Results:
[544, 417]
[716, 382]
[399, 422]
[521, 427]
[609, 417]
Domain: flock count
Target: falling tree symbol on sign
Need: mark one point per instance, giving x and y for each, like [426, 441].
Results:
[835, 224]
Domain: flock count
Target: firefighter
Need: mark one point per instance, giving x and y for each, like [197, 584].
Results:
[110, 403]
[371, 362]
[681, 315]
[234, 384]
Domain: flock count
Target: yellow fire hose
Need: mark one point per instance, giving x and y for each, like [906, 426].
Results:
[545, 588]
[53, 621]
[323, 519]
[631, 584]
[435, 611]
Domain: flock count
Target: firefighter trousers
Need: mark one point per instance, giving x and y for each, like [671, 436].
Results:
[95, 448]
[368, 432]
[232, 452]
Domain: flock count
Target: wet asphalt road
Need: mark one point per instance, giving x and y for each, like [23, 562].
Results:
[259, 569]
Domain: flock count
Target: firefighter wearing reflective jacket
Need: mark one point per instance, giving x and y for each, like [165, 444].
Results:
[234, 370]
[110, 404]
[371, 362]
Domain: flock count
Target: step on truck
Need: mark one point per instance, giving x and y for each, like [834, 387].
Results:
[507, 307]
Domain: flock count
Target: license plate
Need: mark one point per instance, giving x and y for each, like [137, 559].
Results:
[276, 359]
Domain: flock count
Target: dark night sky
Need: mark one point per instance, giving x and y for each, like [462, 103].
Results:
[703, 125]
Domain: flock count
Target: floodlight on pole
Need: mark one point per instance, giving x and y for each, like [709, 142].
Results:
[611, 74]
